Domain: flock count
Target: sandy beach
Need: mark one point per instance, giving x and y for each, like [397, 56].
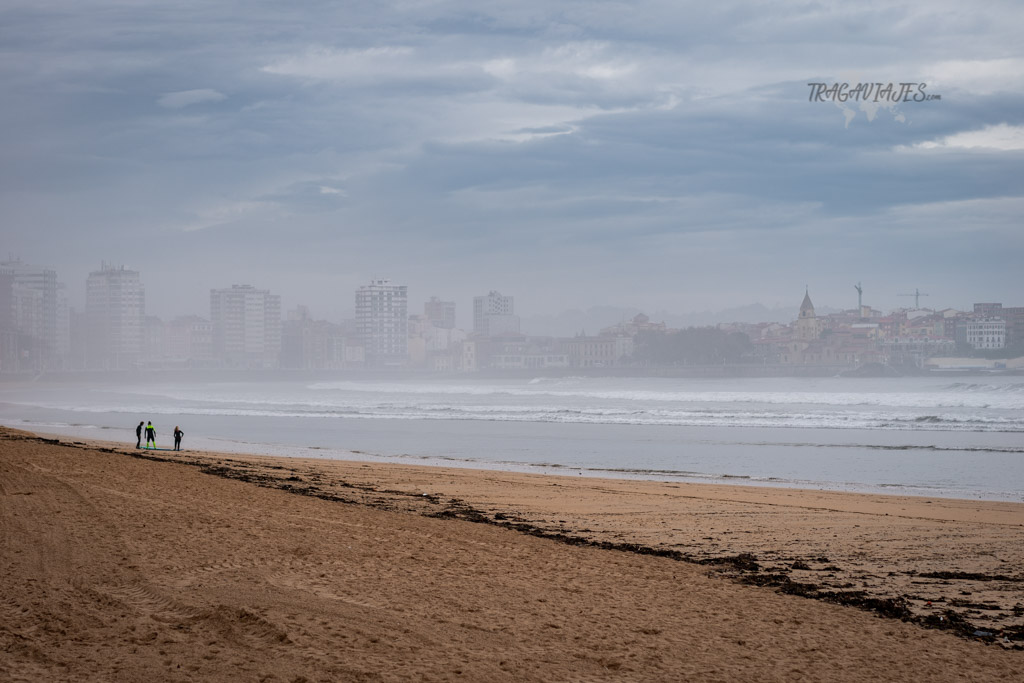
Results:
[119, 564]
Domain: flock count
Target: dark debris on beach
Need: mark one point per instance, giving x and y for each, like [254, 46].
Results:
[743, 568]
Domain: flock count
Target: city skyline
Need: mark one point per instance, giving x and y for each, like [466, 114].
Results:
[654, 155]
[247, 330]
[464, 310]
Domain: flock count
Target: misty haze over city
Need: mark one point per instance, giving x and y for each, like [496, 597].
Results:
[654, 157]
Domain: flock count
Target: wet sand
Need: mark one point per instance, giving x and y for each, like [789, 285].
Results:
[199, 566]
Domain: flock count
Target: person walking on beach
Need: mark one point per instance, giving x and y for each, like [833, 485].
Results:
[150, 435]
[138, 435]
[177, 438]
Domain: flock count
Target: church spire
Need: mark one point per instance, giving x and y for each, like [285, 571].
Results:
[807, 308]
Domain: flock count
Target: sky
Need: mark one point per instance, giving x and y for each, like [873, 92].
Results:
[664, 156]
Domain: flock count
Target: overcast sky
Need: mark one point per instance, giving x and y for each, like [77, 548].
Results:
[660, 155]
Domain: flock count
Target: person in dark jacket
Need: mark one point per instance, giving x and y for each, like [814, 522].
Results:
[177, 438]
[150, 435]
[138, 435]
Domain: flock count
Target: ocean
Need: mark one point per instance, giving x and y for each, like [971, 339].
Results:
[931, 436]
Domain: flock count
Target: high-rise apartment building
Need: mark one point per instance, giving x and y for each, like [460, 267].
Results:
[30, 314]
[246, 326]
[494, 315]
[115, 308]
[440, 313]
[10, 337]
[63, 339]
[382, 322]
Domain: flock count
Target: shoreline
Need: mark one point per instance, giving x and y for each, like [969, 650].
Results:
[724, 482]
[206, 566]
[873, 568]
[121, 435]
[913, 437]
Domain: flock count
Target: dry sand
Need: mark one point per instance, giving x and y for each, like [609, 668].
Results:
[205, 567]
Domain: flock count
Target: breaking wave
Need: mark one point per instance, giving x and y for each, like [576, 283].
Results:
[717, 417]
[921, 406]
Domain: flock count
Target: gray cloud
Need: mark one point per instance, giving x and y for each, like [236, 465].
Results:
[185, 98]
[657, 154]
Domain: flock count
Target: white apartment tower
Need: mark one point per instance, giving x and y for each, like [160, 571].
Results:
[115, 308]
[382, 322]
[31, 310]
[494, 315]
[246, 326]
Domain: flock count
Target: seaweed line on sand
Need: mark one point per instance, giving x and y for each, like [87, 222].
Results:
[742, 568]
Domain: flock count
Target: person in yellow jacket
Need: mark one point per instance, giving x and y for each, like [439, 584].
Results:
[150, 435]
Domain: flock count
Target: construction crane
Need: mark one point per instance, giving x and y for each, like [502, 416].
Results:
[917, 297]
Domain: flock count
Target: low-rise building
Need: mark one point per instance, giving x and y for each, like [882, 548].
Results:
[915, 350]
[982, 333]
[440, 313]
[189, 340]
[639, 323]
[527, 353]
[308, 344]
[1014, 317]
[598, 352]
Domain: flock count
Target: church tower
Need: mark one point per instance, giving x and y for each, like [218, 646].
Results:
[807, 308]
[807, 324]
